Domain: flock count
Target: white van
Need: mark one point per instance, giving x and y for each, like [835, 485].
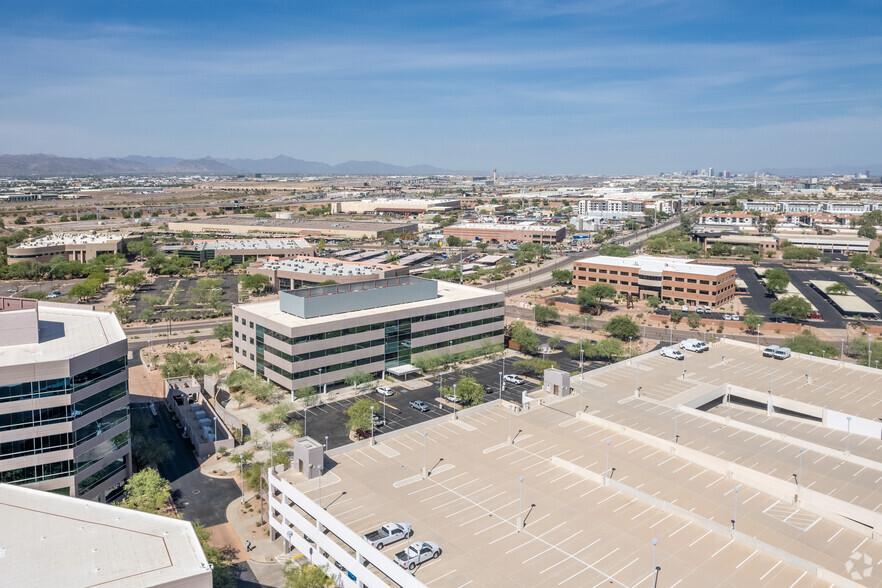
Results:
[694, 345]
[673, 353]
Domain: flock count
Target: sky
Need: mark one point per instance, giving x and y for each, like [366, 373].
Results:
[531, 86]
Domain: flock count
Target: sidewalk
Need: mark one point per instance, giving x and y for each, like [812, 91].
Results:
[265, 557]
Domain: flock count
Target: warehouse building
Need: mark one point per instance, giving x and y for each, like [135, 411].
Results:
[320, 335]
[64, 399]
[241, 249]
[830, 243]
[668, 278]
[332, 229]
[73, 246]
[297, 271]
[396, 206]
[502, 233]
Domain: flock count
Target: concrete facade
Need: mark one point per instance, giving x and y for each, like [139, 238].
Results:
[395, 206]
[676, 279]
[335, 229]
[392, 322]
[500, 233]
[64, 400]
[240, 249]
[73, 246]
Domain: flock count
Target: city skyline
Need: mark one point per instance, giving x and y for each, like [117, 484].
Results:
[574, 87]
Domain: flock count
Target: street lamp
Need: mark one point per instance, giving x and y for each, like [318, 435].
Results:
[629, 350]
[654, 569]
[326, 443]
[320, 468]
[676, 436]
[811, 356]
[454, 403]
[242, 476]
[372, 424]
[521, 505]
[500, 385]
[320, 380]
[215, 429]
[272, 463]
[841, 350]
[425, 454]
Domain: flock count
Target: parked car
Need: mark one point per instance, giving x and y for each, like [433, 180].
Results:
[417, 553]
[700, 309]
[685, 308]
[513, 379]
[419, 405]
[784, 319]
[377, 420]
[388, 533]
[343, 569]
[385, 390]
[770, 351]
[452, 398]
[663, 307]
[695, 345]
[782, 353]
[53, 295]
[816, 315]
[672, 352]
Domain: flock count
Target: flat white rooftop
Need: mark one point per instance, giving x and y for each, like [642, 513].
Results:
[52, 540]
[65, 331]
[503, 227]
[70, 239]
[650, 263]
[226, 244]
[327, 267]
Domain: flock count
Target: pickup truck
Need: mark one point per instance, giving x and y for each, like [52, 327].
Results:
[388, 533]
[770, 351]
[694, 345]
[417, 553]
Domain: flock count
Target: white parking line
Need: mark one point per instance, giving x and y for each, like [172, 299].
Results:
[778, 563]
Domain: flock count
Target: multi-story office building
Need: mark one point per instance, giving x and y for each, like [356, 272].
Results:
[501, 233]
[73, 246]
[320, 335]
[240, 249]
[668, 278]
[64, 400]
[729, 219]
[294, 272]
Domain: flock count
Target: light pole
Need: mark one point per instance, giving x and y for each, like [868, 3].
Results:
[581, 362]
[848, 436]
[521, 505]
[320, 380]
[607, 458]
[242, 476]
[500, 385]
[676, 436]
[215, 429]
[454, 403]
[510, 440]
[326, 443]
[841, 351]
[735, 518]
[372, 424]
[654, 569]
[425, 454]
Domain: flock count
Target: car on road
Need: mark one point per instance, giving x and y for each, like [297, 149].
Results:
[695, 345]
[783, 319]
[770, 351]
[781, 353]
[514, 379]
[11, 291]
[419, 405]
[673, 353]
[385, 390]
[388, 533]
[53, 295]
[417, 553]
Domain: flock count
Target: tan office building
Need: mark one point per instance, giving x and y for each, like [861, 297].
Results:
[395, 206]
[73, 246]
[501, 233]
[680, 280]
[334, 229]
[64, 399]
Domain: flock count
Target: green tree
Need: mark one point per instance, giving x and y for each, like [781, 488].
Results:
[777, 280]
[587, 301]
[84, 290]
[221, 263]
[793, 306]
[360, 414]
[469, 391]
[676, 315]
[306, 576]
[858, 261]
[693, 320]
[721, 249]
[254, 282]
[146, 491]
[554, 341]
[806, 342]
[562, 276]
[837, 288]
[132, 280]
[277, 416]
[320, 246]
[653, 301]
[533, 366]
[218, 559]
[868, 231]
[752, 320]
[357, 378]
[614, 250]
[602, 291]
[392, 257]
[545, 314]
[799, 253]
[454, 241]
[687, 221]
[526, 339]
[223, 331]
[482, 245]
[608, 348]
[622, 326]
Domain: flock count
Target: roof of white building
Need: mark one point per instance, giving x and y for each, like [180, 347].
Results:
[71, 239]
[328, 267]
[502, 227]
[233, 244]
[651, 263]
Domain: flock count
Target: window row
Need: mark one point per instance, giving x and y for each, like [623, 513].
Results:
[37, 473]
[104, 473]
[325, 369]
[59, 386]
[60, 414]
[445, 344]
[322, 352]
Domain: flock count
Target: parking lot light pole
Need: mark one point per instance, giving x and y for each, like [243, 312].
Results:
[500, 385]
[321, 469]
[811, 357]
[676, 436]
[326, 443]
[272, 464]
[372, 424]
[454, 403]
[521, 505]
[654, 569]
[841, 351]
[242, 476]
[215, 430]
[510, 440]
[425, 454]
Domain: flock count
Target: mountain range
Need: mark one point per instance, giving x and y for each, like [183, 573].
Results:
[52, 165]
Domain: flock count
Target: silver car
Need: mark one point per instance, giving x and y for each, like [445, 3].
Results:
[417, 553]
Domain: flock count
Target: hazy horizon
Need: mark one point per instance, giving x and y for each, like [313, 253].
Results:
[580, 87]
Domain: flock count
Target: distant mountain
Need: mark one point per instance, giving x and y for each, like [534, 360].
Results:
[52, 165]
[841, 170]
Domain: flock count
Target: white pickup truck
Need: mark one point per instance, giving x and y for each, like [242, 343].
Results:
[388, 533]
[695, 345]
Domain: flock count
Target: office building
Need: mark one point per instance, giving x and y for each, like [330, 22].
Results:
[320, 335]
[64, 399]
[294, 272]
[50, 540]
[502, 233]
[395, 206]
[668, 278]
[73, 246]
[331, 229]
[241, 249]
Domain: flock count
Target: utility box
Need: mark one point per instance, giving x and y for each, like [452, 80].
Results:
[309, 455]
[555, 381]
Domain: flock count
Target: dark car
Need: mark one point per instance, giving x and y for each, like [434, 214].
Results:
[663, 307]
[784, 319]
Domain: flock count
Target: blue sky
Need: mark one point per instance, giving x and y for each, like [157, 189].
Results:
[575, 86]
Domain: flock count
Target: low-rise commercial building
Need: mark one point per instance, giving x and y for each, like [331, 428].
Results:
[73, 246]
[320, 335]
[502, 233]
[668, 278]
[50, 540]
[64, 399]
[830, 243]
[395, 206]
[729, 220]
[240, 249]
[334, 229]
[294, 272]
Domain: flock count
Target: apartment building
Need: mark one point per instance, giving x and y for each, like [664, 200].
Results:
[64, 399]
[502, 233]
[320, 335]
[668, 278]
[240, 249]
[73, 246]
[297, 271]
